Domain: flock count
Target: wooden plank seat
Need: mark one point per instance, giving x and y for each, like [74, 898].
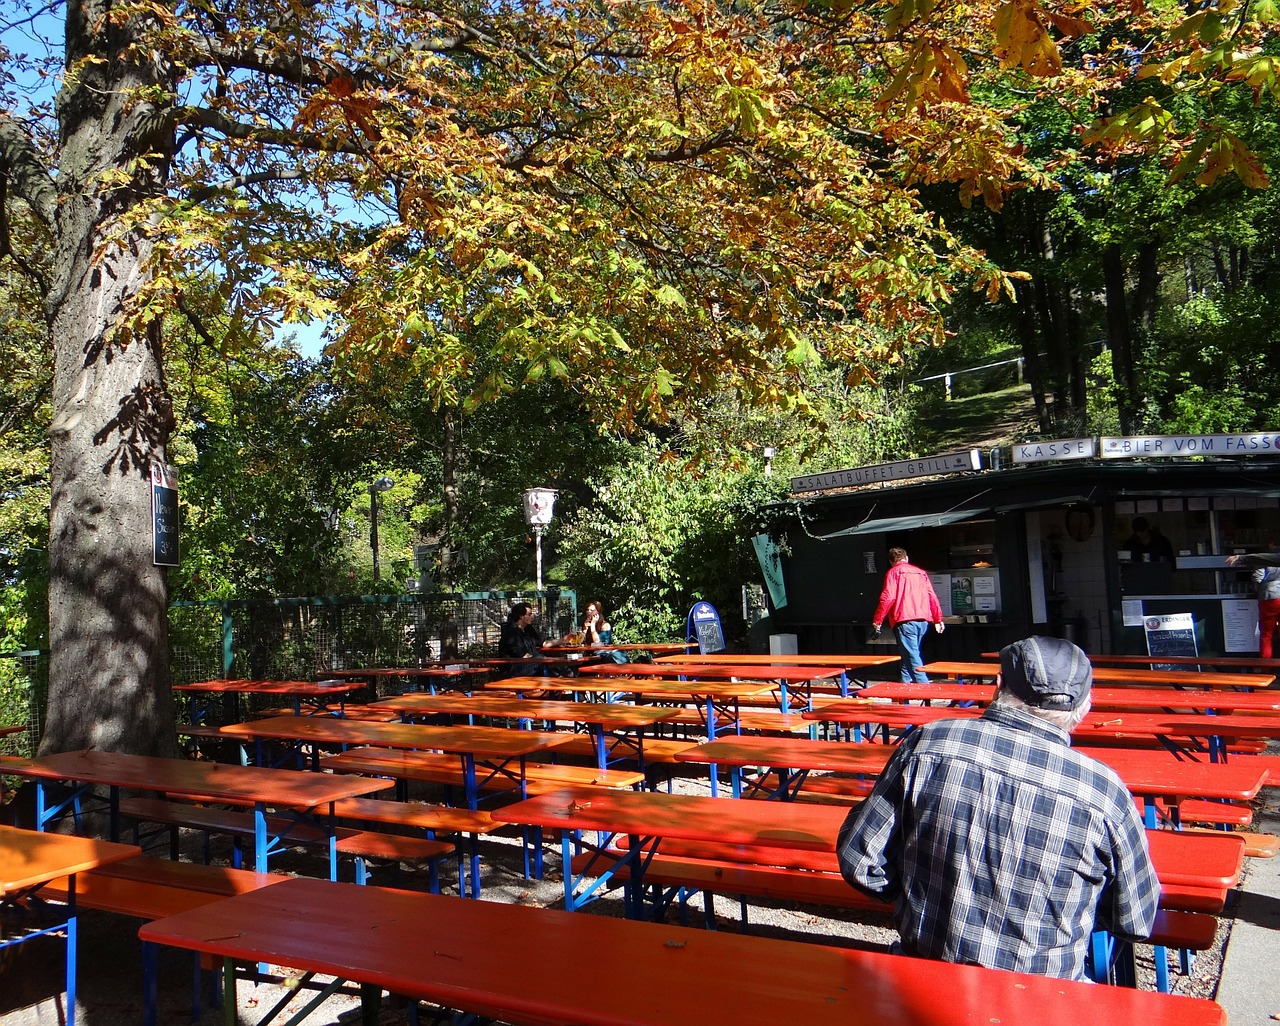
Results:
[656, 749]
[1256, 846]
[148, 887]
[1202, 811]
[827, 788]
[433, 820]
[199, 730]
[439, 768]
[1190, 931]
[362, 845]
[364, 713]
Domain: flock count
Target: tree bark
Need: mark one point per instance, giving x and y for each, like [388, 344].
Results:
[109, 684]
[1120, 336]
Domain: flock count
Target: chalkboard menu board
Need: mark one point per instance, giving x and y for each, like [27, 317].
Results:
[164, 518]
[704, 628]
[1173, 634]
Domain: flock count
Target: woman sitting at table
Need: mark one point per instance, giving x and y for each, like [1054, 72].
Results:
[596, 630]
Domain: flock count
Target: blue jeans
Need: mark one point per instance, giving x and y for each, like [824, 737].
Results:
[909, 634]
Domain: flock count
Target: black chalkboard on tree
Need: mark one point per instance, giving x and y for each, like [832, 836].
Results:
[164, 524]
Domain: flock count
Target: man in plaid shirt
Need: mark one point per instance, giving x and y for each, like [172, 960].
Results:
[997, 844]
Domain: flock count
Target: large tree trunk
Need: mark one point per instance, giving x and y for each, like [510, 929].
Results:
[1120, 337]
[109, 684]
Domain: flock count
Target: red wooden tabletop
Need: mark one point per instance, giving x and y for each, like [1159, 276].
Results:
[844, 662]
[1119, 675]
[1101, 723]
[1246, 664]
[485, 742]
[29, 858]
[234, 785]
[791, 673]
[607, 714]
[799, 753]
[1101, 697]
[446, 670]
[778, 824]
[630, 646]
[1195, 859]
[303, 688]
[1223, 726]
[581, 970]
[673, 689]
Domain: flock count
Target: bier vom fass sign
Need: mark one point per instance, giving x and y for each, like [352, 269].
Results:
[1149, 446]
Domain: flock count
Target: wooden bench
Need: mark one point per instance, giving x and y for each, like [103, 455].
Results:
[1201, 811]
[1256, 846]
[1192, 931]
[146, 887]
[433, 820]
[362, 845]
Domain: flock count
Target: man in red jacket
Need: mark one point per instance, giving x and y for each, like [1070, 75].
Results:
[910, 604]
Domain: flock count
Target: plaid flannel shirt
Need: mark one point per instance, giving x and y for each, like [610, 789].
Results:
[999, 846]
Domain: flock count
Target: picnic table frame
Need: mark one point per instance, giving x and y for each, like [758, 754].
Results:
[412, 676]
[786, 678]
[30, 859]
[1100, 697]
[1117, 675]
[495, 752]
[847, 664]
[602, 971]
[312, 694]
[645, 817]
[305, 796]
[614, 727]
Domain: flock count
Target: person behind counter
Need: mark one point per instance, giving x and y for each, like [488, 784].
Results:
[1147, 544]
[996, 842]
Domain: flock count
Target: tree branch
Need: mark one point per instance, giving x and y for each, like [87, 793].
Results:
[203, 117]
[244, 181]
[25, 170]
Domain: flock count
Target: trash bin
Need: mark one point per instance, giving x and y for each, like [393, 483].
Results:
[1075, 629]
[784, 644]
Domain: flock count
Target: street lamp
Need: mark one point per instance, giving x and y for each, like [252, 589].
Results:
[382, 484]
[769, 453]
[538, 504]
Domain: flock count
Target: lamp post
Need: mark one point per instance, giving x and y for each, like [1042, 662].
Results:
[382, 484]
[769, 453]
[538, 504]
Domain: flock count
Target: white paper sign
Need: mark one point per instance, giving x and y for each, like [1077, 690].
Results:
[1132, 611]
[942, 585]
[1240, 625]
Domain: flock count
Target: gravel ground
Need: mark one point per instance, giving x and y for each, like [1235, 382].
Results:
[111, 976]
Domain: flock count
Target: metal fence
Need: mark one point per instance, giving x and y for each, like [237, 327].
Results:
[24, 687]
[301, 639]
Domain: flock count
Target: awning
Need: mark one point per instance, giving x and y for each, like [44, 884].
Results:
[891, 524]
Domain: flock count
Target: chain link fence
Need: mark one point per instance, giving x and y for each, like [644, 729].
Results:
[301, 639]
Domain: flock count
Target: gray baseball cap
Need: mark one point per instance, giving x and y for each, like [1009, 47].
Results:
[1048, 673]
